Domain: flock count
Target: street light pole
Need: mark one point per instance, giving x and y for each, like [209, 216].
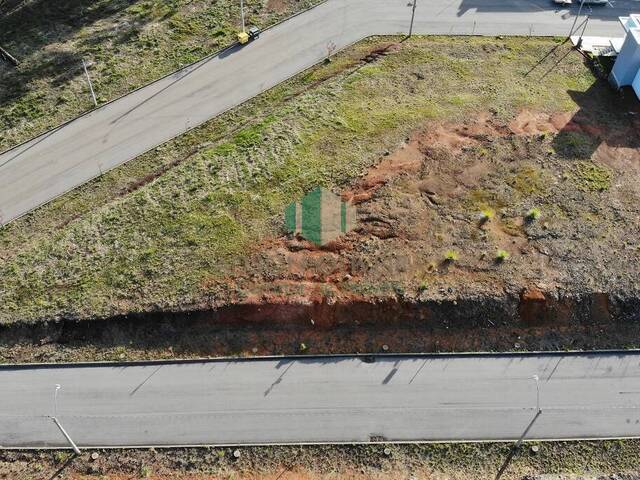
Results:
[579, 42]
[413, 14]
[242, 13]
[537, 380]
[58, 424]
[55, 401]
[575, 20]
[93, 95]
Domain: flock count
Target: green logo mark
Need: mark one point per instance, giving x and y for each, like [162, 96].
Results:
[321, 216]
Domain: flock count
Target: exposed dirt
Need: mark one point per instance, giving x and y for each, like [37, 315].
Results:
[601, 460]
[278, 6]
[427, 197]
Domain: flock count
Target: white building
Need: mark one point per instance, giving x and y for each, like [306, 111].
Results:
[626, 69]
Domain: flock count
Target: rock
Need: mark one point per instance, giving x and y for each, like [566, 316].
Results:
[95, 456]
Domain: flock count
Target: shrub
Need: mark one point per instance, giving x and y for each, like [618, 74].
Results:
[486, 215]
[533, 214]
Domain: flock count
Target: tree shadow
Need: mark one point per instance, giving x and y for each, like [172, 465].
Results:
[32, 25]
[34, 30]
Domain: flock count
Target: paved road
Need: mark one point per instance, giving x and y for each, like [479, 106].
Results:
[40, 170]
[343, 399]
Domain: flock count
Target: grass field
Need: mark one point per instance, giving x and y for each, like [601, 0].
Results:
[127, 43]
[158, 232]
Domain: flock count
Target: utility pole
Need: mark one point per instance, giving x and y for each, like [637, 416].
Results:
[242, 13]
[413, 14]
[575, 20]
[579, 42]
[93, 95]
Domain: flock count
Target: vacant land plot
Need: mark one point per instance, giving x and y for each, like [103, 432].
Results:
[127, 43]
[480, 167]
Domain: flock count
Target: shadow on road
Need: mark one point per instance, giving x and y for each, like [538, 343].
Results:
[180, 75]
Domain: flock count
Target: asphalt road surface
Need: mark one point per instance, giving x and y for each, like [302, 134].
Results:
[46, 167]
[330, 399]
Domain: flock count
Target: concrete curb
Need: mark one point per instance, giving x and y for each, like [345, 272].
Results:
[370, 357]
[390, 442]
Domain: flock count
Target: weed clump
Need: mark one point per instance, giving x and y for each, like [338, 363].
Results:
[486, 215]
[501, 256]
[574, 144]
[533, 214]
[451, 256]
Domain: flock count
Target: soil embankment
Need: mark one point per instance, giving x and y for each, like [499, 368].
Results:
[530, 320]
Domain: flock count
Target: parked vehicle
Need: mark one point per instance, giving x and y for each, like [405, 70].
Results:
[586, 2]
[248, 36]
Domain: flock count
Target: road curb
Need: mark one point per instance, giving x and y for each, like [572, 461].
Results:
[311, 444]
[366, 357]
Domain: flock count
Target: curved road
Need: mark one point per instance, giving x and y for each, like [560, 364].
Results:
[40, 170]
[323, 399]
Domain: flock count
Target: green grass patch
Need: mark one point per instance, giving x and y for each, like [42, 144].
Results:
[156, 232]
[127, 43]
[591, 177]
[573, 144]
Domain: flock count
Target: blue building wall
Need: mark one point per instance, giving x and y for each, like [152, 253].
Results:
[636, 84]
